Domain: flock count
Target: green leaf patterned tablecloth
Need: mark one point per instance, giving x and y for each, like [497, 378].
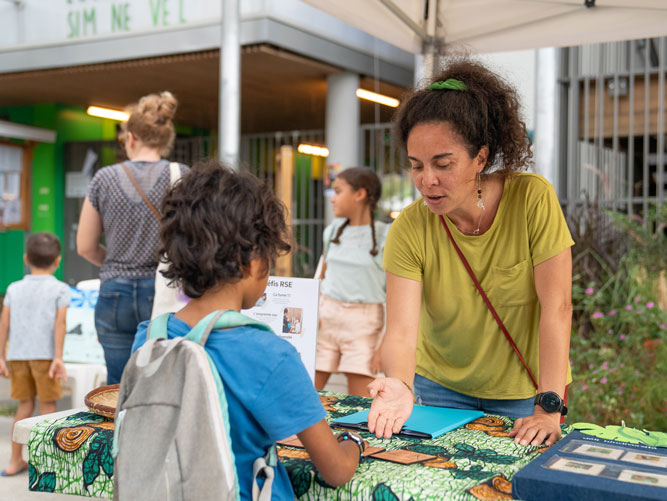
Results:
[475, 462]
[72, 455]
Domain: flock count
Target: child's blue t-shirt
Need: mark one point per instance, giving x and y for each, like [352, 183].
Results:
[269, 394]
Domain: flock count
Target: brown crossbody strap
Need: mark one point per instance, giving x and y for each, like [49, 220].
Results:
[488, 303]
[140, 191]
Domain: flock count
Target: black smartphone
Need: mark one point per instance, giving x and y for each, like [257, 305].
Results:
[405, 432]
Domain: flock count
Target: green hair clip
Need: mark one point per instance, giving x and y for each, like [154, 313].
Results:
[449, 84]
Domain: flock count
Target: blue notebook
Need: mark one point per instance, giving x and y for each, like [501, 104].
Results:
[424, 422]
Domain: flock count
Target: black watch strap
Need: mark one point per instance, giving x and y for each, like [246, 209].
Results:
[551, 402]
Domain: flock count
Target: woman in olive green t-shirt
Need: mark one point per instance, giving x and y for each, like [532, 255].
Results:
[467, 145]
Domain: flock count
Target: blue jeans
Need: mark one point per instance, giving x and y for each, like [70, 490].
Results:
[428, 392]
[123, 303]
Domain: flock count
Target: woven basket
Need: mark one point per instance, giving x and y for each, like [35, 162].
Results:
[103, 400]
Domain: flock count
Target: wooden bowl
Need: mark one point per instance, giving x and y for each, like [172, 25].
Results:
[103, 400]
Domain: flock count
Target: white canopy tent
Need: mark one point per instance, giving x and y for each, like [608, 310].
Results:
[430, 28]
[483, 26]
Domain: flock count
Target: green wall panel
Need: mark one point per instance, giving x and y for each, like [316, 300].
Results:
[11, 257]
[48, 174]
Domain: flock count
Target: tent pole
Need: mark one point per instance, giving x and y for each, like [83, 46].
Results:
[398, 12]
[431, 44]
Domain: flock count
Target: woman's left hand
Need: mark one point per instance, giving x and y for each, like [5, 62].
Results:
[539, 428]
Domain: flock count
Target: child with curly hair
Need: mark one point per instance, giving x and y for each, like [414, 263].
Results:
[222, 231]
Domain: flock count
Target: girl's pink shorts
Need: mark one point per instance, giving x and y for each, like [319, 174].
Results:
[348, 335]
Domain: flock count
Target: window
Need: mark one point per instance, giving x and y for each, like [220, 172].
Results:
[15, 163]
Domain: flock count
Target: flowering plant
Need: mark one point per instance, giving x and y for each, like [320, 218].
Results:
[619, 333]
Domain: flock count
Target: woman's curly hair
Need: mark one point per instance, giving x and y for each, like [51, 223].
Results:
[214, 222]
[151, 121]
[486, 114]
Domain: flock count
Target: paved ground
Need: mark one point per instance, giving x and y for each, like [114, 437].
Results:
[16, 488]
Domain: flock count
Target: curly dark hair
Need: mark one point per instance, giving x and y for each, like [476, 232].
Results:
[486, 114]
[366, 178]
[214, 222]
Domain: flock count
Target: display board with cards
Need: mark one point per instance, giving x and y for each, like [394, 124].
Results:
[587, 467]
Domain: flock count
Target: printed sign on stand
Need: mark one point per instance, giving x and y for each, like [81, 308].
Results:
[289, 306]
[81, 344]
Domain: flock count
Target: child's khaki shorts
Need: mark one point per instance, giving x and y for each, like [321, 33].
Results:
[30, 378]
[348, 335]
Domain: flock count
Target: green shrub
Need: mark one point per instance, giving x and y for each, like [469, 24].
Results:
[618, 349]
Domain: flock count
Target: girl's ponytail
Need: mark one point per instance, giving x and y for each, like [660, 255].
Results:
[336, 240]
[374, 250]
[366, 178]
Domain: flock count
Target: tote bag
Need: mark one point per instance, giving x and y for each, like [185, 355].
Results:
[168, 298]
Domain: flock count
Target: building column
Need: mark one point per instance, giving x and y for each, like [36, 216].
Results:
[229, 102]
[341, 130]
[546, 119]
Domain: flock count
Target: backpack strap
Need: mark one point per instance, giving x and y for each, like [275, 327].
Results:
[221, 320]
[264, 467]
[157, 328]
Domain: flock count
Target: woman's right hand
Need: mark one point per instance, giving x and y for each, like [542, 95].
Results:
[391, 407]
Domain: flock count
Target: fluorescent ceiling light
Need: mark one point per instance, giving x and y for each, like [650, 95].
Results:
[311, 149]
[96, 111]
[377, 98]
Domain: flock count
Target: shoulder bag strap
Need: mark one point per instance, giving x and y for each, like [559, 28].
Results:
[487, 302]
[140, 191]
[174, 172]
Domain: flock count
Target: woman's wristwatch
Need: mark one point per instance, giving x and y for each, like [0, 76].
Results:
[350, 435]
[551, 402]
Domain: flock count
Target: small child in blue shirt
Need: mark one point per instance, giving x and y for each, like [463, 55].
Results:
[222, 231]
[33, 318]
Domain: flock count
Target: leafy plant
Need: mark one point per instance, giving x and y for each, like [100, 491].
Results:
[618, 349]
[8, 410]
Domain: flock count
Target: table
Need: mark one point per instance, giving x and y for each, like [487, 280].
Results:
[71, 454]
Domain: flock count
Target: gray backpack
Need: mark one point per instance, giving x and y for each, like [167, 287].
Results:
[171, 437]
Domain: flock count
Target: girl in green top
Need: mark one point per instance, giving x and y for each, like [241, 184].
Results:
[351, 305]
[466, 144]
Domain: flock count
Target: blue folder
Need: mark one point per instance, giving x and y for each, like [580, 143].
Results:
[424, 422]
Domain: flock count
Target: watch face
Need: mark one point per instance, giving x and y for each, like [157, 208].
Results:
[550, 402]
